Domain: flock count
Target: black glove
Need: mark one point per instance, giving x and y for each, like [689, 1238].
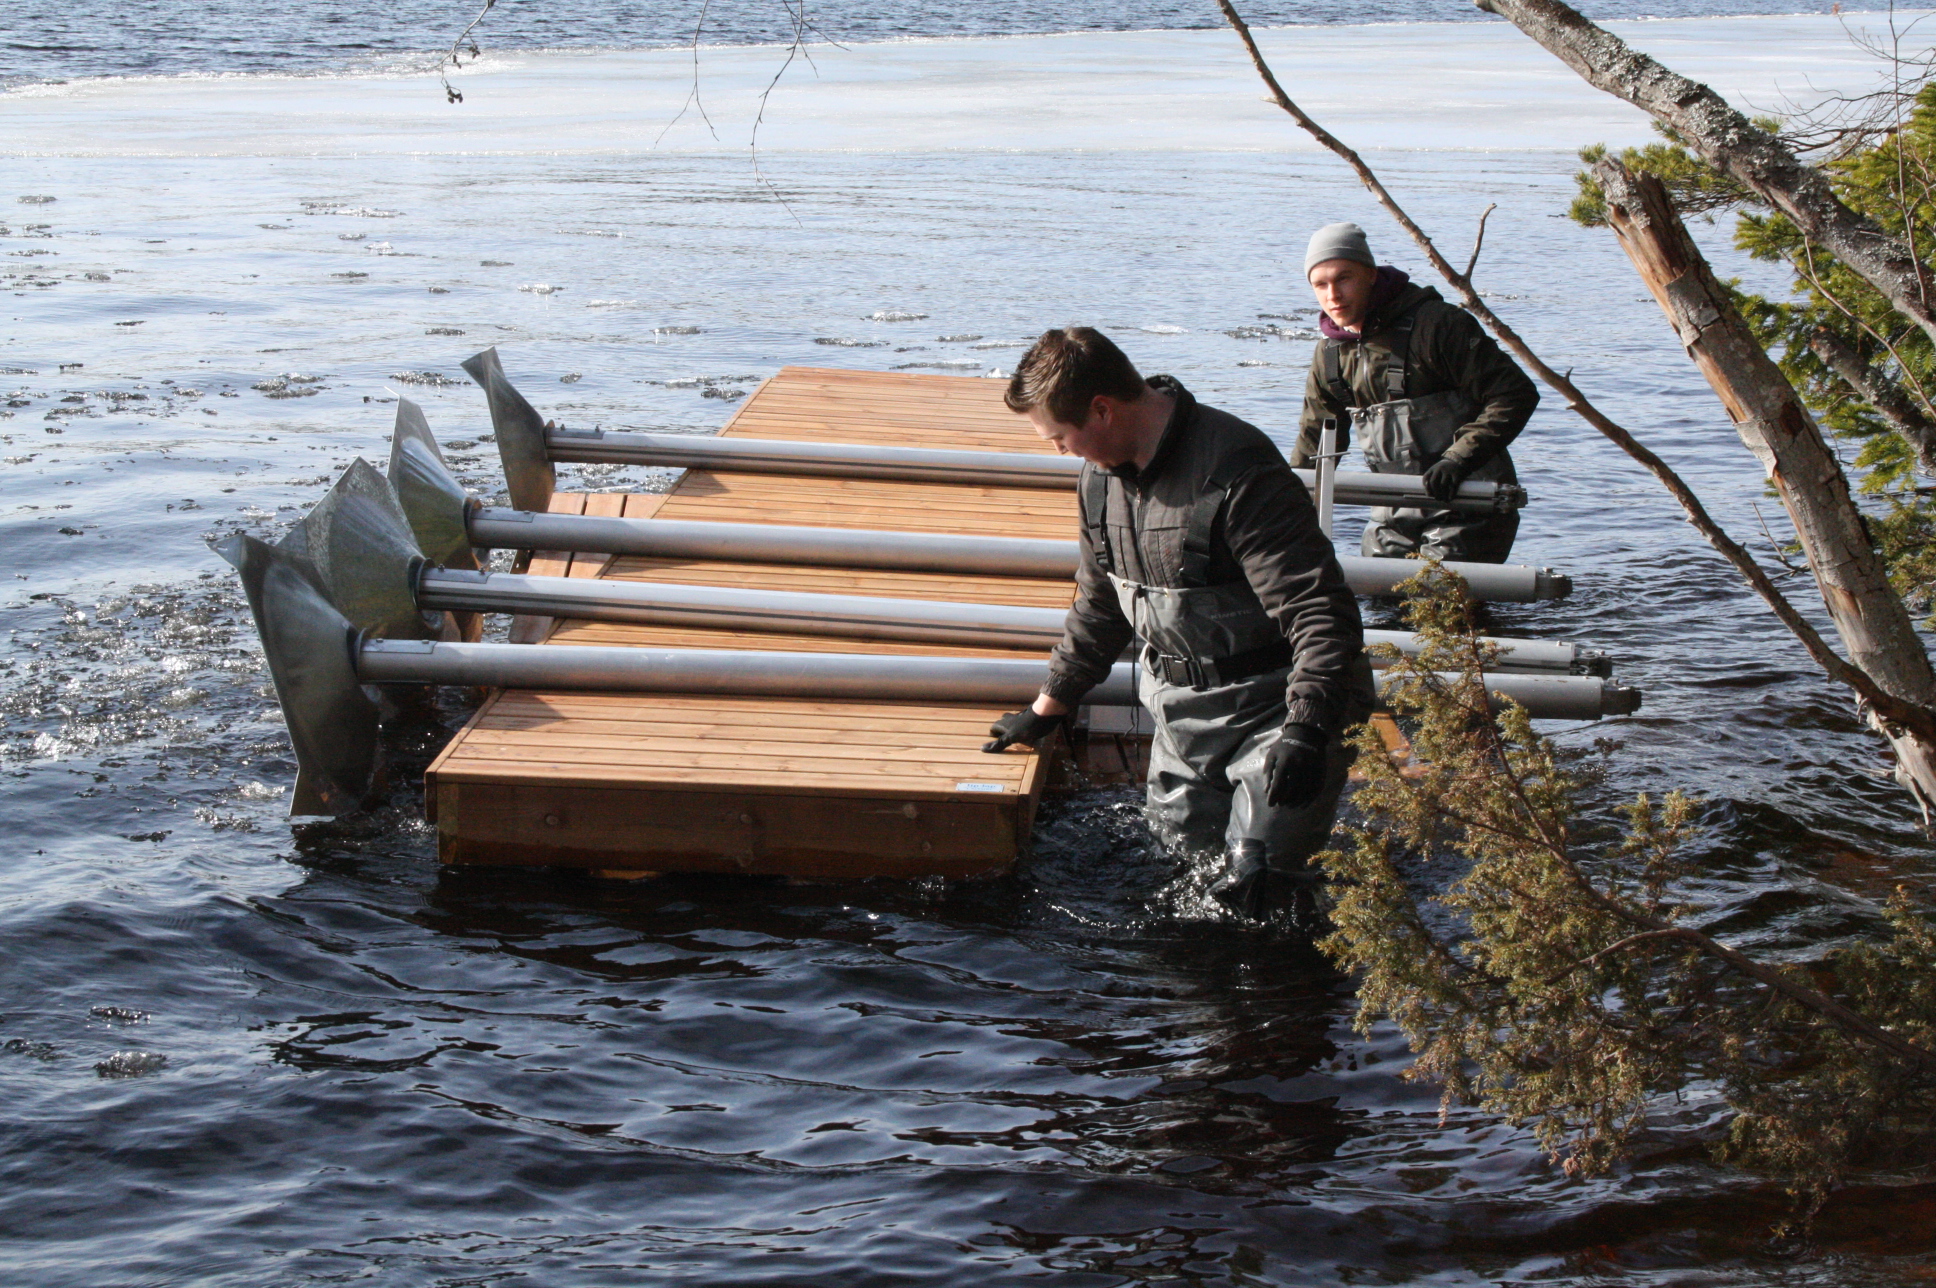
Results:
[1021, 726]
[1294, 767]
[1442, 480]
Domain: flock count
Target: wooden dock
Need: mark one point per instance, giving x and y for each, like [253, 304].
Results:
[627, 783]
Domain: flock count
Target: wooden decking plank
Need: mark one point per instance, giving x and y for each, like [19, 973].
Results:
[612, 634]
[967, 712]
[739, 752]
[794, 777]
[710, 782]
[775, 727]
[1024, 592]
[946, 508]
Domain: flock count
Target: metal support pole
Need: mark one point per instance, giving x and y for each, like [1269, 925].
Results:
[871, 676]
[1327, 472]
[502, 529]
[931, 552]
[930, 465]
[873, 617]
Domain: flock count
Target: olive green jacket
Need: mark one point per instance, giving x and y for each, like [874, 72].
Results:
[1448, 350]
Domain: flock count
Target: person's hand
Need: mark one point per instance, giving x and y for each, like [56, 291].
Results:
[1027, 727]
[1442, 480]
[1294, 767]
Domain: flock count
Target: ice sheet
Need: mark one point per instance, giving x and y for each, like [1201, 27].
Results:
[1426, 86]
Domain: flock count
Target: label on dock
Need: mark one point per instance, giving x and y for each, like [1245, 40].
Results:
[980, 787]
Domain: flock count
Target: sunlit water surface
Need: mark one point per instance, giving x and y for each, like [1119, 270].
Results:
[237, 1053]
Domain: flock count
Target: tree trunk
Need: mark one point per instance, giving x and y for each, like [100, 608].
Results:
[1874, 387]
[1874, 625]
[1731, 142]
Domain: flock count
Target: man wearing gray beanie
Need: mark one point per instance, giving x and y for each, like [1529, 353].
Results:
[1425, 391]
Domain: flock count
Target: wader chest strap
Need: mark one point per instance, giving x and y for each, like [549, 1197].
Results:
[1401, 346]
[1197, 533]
[1331, 367]
[1331, 372]
[1095, 516]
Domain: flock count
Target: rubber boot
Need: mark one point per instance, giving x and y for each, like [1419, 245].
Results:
[1242, 886]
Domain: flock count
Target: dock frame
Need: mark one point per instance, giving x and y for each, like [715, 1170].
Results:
[632, 784]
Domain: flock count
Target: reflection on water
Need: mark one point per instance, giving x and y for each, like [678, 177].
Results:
[377, 1071]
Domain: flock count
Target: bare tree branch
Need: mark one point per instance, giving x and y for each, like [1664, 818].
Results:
[1880, 392]
[1479, 239]
[692, 98]
[451, 59]
[1731, 142]
[1881, 701]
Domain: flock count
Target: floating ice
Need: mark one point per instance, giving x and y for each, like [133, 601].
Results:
[442, 330]
[119, 1014]
[35, 201]
[541, 288]
[590, 232]
[571, 377]
[675, 330]
[349, 276]
[611, 304]
[844, 343]
[1162, 328]
[351, 236]
[38, 1050]
[423, 378]
[335, 208]
[956, 339]
[494, 263]
[131, 1064]
[894, 315]
[1465, 86]
[292, 385]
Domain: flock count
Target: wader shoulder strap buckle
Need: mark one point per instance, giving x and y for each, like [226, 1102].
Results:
[1095, 515]
[1401, 345]
[1201, 530]
[1331, 372]
[1197, 534]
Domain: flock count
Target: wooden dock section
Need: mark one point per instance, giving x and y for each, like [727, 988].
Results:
[634, 783]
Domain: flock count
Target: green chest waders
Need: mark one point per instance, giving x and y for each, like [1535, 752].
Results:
[1214, 670]
[1406, 435]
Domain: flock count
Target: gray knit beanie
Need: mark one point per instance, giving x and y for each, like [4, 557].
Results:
[1338, 241]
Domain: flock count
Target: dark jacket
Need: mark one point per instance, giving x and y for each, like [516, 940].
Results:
[1266, 534]
[1449, 350]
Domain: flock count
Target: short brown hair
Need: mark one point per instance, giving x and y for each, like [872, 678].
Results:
[1066, 370]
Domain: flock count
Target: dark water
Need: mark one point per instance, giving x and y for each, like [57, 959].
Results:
[64, 39]
[346, 1065]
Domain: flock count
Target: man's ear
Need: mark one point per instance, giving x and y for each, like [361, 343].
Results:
[1101, 407]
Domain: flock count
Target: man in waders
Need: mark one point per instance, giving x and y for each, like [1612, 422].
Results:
[1426, 391]
[1198, 541]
